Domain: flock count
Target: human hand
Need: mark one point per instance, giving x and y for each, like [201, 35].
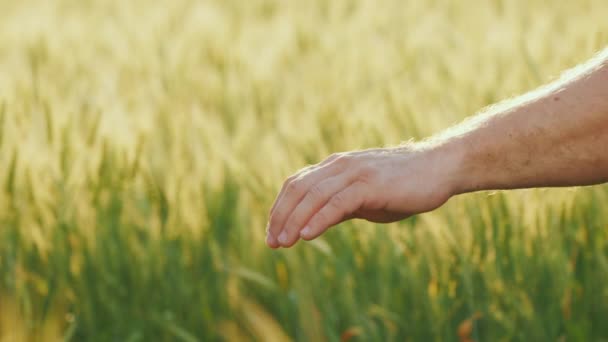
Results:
[379, 185]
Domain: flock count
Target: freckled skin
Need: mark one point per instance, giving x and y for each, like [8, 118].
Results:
[554, 136]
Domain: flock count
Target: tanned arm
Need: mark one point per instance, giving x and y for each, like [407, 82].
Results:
[554, 136]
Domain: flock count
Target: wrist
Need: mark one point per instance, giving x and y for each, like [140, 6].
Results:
[452, 160]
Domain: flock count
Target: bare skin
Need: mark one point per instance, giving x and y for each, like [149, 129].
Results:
[551, 137]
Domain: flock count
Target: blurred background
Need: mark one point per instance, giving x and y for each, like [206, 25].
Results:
[142, 144]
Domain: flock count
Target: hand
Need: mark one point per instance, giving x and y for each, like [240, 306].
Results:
[379, 185]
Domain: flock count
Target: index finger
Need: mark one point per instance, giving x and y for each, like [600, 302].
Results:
[294, 191]
[296, 175]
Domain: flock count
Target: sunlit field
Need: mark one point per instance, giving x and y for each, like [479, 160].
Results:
[142, 144]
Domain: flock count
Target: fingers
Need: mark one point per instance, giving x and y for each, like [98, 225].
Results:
[294, 190]
[271, 231]
[286, 183]
[340, 207]
[298, 174]
[272, 242]
[316, 197]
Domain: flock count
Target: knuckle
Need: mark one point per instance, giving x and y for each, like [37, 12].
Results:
[294, 185]
[342, 159]
[334, 156]
[305, 170]
[291, 178]
[287, 182]
[337, 202]
[315, 192]
[345, 157]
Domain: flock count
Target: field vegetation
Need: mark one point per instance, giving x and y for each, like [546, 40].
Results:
[142, 144]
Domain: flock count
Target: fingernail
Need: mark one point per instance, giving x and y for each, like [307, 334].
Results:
[305, 231]
[283, 238]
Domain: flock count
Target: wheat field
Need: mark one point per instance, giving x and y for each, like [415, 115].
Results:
[142, 144]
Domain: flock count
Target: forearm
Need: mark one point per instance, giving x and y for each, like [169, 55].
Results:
[555, 136]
